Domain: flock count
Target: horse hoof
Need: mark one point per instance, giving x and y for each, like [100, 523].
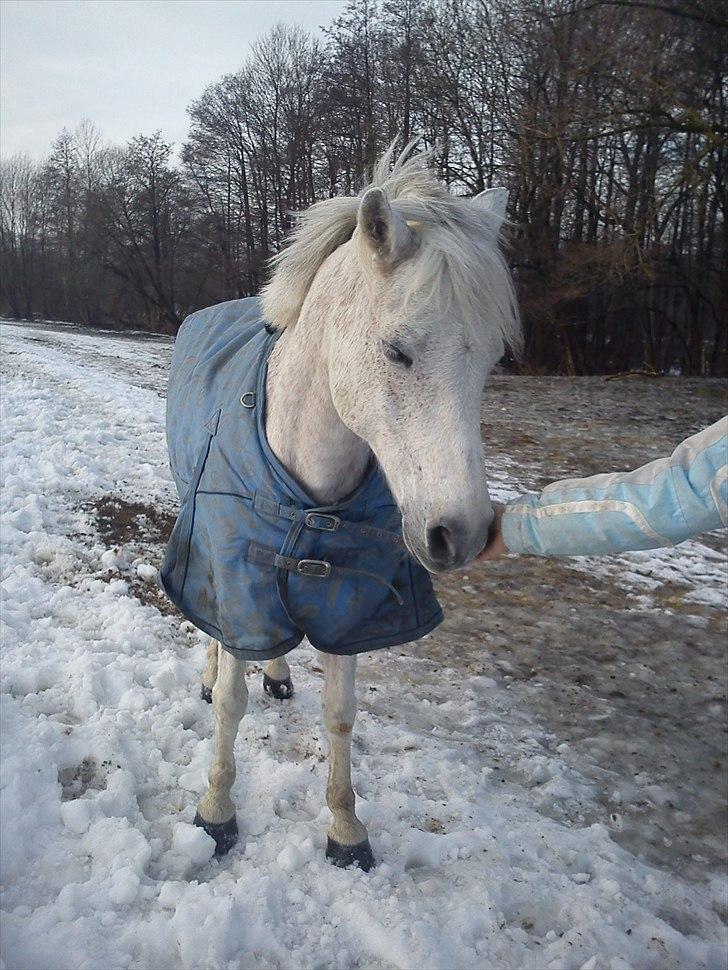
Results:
[225, 834]
[350, 855]
[280, 689]
[206, 694]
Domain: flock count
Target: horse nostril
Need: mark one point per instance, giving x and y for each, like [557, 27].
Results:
[441, 545]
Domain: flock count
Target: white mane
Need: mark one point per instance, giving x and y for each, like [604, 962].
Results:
[459, 265]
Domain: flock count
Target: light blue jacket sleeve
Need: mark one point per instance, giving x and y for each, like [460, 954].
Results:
[660, 504]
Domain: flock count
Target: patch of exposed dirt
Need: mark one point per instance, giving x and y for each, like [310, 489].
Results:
[120, 522]
[151, 595]
[141, 531]
[548, 428]
[539, 625]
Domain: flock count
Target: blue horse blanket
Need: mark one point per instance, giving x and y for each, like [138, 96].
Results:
[253, 560]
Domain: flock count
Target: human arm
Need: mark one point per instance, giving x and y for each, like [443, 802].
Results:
[660, 504]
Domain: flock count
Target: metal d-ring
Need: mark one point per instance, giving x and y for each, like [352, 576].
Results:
[248, 399]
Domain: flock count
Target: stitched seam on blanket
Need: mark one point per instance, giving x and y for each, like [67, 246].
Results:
[720, 503]
[611, 505]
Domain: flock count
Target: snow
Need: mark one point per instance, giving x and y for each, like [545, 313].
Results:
[147, 572]
[536, 793]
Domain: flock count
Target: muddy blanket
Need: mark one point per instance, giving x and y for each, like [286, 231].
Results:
[252, 559]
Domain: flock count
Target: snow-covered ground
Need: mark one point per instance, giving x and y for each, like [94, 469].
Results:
[543, 777]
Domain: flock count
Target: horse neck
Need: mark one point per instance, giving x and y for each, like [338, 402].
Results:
[302, 425]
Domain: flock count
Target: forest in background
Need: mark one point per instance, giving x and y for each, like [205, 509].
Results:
[606, 119]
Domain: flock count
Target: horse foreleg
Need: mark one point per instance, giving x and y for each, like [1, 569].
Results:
[210, 674]
[277, 679]
[348, 842]
[216, 811]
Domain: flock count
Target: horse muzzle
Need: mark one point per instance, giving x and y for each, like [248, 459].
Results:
[449, 542]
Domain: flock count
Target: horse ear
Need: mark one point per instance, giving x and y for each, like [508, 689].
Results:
[495, 200]
[383, 230]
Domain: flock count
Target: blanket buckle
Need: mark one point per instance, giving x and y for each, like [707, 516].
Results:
[314, 567]
[319, 520]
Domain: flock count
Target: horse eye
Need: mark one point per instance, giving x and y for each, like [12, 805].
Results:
[397, 356]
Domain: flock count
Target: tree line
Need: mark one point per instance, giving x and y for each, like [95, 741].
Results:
[606, 119]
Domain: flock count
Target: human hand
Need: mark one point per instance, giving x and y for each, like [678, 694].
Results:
[495, 546]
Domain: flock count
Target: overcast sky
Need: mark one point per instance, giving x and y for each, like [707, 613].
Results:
[130, 66]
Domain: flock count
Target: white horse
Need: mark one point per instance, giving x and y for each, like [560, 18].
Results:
[395, 305]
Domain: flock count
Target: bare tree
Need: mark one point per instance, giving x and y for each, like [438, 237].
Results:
[615, 155]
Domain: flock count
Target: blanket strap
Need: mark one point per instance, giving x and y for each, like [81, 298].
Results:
[324, 521]
[319, 568]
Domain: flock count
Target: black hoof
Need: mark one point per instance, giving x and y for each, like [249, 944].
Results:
[225, 834]
[280, 689]
[350, 855]
[206, 694]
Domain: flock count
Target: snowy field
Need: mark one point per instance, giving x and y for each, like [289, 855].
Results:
[543, 777]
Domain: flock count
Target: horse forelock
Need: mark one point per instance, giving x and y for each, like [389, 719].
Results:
[460, 265]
